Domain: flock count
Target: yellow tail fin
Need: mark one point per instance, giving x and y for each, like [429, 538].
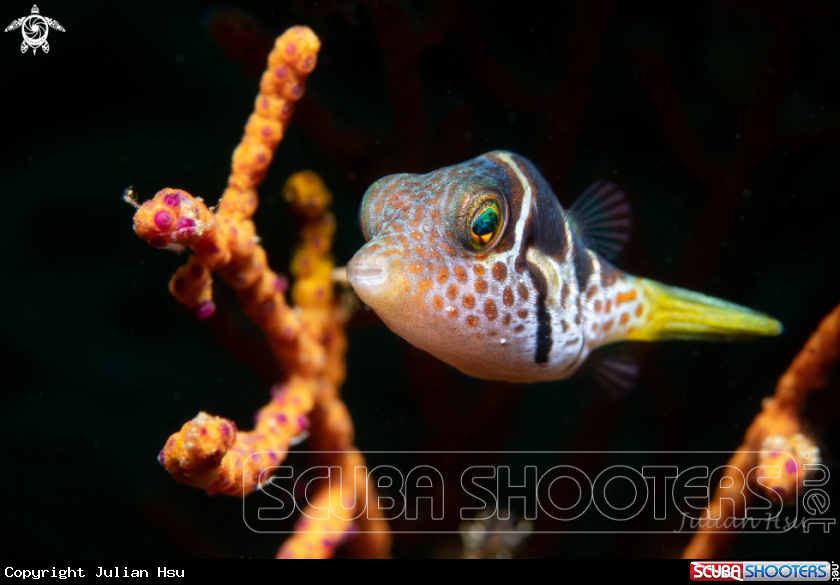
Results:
[676, 313]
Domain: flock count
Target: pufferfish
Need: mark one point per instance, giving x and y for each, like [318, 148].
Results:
[480, 266]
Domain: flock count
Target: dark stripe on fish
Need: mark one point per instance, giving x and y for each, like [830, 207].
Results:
[549, 224]
[544, 339]
[583, 265]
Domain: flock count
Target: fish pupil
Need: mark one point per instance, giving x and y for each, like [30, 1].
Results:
[486, 223]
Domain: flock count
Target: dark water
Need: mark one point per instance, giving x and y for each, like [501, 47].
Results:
[722, 123]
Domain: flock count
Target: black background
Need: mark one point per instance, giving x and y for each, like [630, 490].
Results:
[720, 119]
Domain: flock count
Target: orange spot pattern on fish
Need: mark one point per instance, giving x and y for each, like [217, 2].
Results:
[423, 286]
[499, 271]
[507, 297]
[461, 274]
[443, 275]
[625, 297]
[490, 309]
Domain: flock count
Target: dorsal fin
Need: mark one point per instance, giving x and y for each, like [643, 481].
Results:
[601, 216]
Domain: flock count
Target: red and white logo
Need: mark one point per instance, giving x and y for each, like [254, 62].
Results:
[761, 571]
[716, 571]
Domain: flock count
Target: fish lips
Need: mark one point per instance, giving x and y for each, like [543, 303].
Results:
[368, 275]
[377, 275]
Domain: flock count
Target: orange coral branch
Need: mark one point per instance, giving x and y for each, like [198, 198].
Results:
[811, 367]
[309, 341]
[777, 428]
[209, 453]
[321, 529]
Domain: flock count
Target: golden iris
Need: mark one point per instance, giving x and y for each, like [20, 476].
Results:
[486, 223]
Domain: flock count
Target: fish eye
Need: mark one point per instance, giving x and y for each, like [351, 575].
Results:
[486, 222]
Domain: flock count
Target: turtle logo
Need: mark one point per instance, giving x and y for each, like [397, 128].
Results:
[35, 28]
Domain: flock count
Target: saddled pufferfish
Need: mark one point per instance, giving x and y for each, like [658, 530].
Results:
[479, 265]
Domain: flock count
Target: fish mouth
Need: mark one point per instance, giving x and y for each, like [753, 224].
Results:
[366, 275]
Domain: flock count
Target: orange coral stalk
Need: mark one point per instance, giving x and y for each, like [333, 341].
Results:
[225, 240]
[209, 453]
[309, 341]
[316, 538]
[321, 529]
[776, 429]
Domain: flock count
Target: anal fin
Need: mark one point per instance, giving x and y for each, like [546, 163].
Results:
[607, 376]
